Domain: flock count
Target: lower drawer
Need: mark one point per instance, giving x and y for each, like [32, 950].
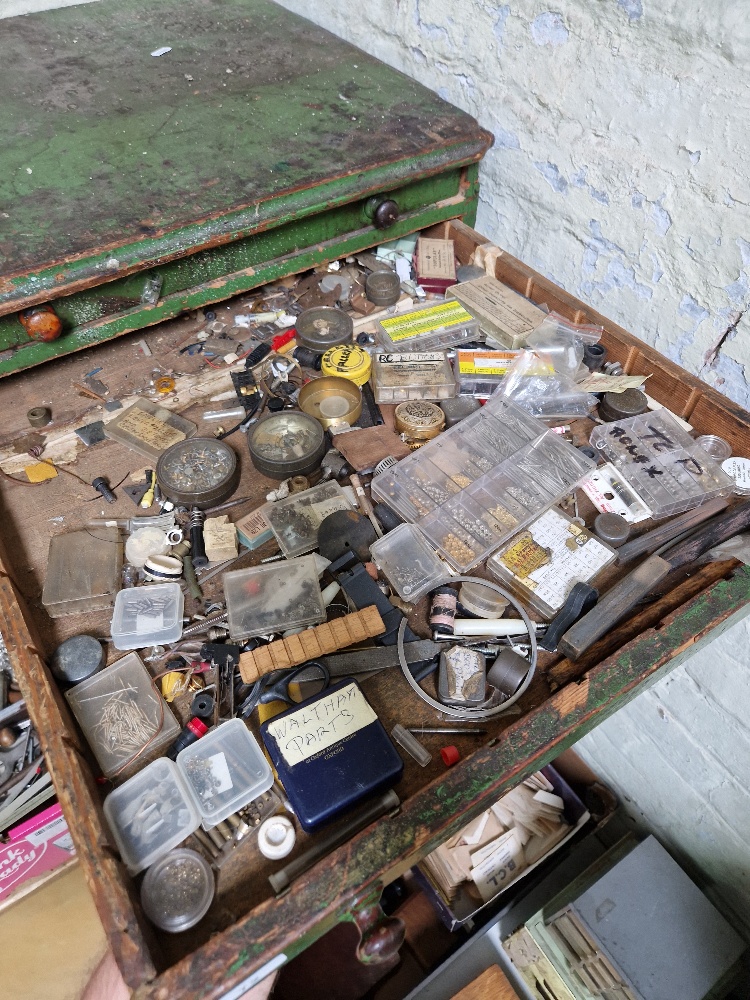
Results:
[249, 931]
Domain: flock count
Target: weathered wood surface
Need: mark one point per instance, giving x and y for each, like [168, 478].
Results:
[247, 927]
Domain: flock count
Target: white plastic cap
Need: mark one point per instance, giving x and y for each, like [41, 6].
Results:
[276, 837]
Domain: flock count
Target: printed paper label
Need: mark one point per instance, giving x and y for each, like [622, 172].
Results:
[317, 727]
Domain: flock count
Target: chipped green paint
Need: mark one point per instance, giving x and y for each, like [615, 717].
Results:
[325, 895]
[189, 163]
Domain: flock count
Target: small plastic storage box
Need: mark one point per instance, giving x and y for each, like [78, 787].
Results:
[83, 571]
[225, 770]
[151, 813]
[661, 462]
[121, 713]
[409, 562]
[295, 520]
[273, 598]
[482, 480]
[397, 378]
[149, 429]
[428, 328]
[147, 616]
[479, 373]
[544, 562]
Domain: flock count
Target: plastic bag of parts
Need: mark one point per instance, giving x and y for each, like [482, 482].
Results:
[533, 383]
[562, 342]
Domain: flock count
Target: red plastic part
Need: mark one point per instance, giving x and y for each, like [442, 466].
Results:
[450, 755]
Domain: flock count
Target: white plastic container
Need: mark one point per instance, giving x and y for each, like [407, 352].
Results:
[147, 616]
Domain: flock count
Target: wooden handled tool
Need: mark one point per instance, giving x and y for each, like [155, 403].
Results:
[311, 644]
[625, 594]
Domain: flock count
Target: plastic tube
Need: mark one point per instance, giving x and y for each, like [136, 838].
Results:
[237, 413]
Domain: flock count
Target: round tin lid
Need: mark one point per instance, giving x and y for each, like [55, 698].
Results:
[323, 327]
[383, 288]
[739, 470]
[198, 472]
[419, 420]
[285, 444]
[349, 361]
[177, 890]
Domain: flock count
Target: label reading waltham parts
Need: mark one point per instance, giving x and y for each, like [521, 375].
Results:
[305, 733]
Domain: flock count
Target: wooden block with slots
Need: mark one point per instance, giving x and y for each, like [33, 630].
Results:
[314, 642]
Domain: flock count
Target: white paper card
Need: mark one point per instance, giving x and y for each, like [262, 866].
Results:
[309, 731]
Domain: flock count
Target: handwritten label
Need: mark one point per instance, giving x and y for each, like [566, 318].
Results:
[317, 727]
[149, 429]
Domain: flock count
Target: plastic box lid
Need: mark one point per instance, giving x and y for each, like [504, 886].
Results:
[151, 813]
[296, 519]
[120, 712]
[149, 429]
[428, 328]
[400, 377]
[147, 616]
[662, 463]
[83, 571]
[273, 598]
[543, 563]
[224, 771]
[409, 562]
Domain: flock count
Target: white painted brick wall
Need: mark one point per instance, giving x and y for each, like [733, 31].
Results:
[620, 171]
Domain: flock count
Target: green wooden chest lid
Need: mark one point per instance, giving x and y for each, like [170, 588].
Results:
[113, 159]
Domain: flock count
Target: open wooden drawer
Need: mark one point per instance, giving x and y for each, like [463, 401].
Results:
[248, 932]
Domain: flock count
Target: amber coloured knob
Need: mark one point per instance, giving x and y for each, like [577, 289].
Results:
[41, 323]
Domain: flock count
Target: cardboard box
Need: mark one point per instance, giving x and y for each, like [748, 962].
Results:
[36, 847]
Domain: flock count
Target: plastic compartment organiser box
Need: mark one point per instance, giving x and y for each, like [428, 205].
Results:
[428, 328]
[151, 813]
[225, 770]
[121, 713]
[482, 481]
[147, 616]
[295, 520]
[661, 462]
[400, 377]
[543, 563]
[273, 598]
[409, 563]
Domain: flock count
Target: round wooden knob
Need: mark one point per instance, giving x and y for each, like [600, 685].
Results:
[41, 323]
[385, 214]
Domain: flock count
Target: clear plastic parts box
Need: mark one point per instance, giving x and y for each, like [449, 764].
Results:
[295, 520]
[122, 715]
[397, 378]
[483, 480]
[147, 616]
[661, 462]
[428, 328]
[479, 373]
[409, 563]
[83, 571]
[543, 562]
[273, 598]
[225, 770]
[151, 813]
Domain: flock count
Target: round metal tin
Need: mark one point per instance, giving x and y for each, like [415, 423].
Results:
[323, 327]
[332, 400]
[349, 361]
[418, 420]
[286, 444]
[199, 472]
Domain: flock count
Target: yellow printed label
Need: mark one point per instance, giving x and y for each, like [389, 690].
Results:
[429, 320]
[525, 555]
[485, 362]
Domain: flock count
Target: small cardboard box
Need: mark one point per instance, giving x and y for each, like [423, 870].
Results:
[37, 846]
